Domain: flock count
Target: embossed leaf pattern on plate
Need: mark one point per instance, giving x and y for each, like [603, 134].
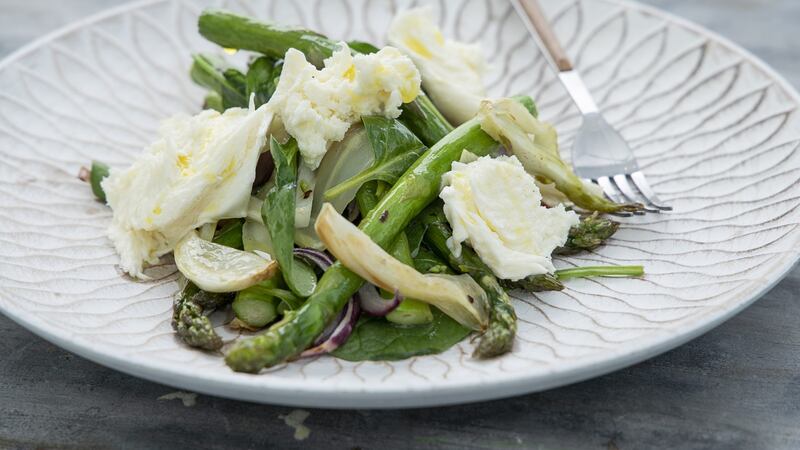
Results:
[715, 130]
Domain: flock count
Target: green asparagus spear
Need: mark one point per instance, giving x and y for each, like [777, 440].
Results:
[499, 337]
[234, 31]
[412, 192]
[98, 174]
[194, 328]
[423, 118]
[552, 281]
[254, 309]
[589, 234]
[600, 271]
[535, 283]
[188, 320]
[208, 300]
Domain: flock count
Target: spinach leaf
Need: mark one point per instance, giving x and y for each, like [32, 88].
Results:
[375, 339]
[362, 47]
[259, 80]
[278, 215]
[230, 234]
[395, 148]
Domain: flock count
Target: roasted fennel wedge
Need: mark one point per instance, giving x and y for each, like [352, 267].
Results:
[218, 268]
[460, 297]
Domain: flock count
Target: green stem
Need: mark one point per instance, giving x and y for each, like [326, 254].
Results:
[600, 271]
[98, 174]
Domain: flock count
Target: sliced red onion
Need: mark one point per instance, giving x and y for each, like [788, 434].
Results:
[328, 331]
[373, 304]
[340, 333]
[320, 259]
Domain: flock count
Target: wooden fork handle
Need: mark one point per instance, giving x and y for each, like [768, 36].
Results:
[546, 34]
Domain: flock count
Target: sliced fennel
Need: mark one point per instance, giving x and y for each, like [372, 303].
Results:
[255, 236]
[306, 180]
[217, 268]
[254, 209]
[343, 161]
[307, 238]
[459, 297]
[206, 232]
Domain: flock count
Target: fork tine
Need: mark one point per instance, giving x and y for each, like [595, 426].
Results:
[624, 186]
[643, 186]
[612, 193]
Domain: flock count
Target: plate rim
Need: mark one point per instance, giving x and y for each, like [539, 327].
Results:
[283, 392]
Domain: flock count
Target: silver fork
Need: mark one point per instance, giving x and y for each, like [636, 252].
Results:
[599, 153]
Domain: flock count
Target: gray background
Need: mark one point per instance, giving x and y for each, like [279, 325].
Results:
[736, 387]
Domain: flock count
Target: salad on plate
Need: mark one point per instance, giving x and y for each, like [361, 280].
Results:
[338, 198]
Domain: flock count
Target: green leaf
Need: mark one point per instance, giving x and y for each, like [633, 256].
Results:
[276, 76]
[395, 148]
[375, 339]
[98, 173]
[362, 47]
[213, 73]
[230, 234]
[278, 215]
[213, 101]
[259, 80]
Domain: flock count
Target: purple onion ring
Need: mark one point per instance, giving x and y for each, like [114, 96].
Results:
[340, 333]
[320, 259]
[373, 304]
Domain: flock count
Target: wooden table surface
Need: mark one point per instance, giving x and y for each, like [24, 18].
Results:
[736, 387]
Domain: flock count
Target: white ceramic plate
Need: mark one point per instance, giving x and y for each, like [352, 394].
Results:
[716, 131]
